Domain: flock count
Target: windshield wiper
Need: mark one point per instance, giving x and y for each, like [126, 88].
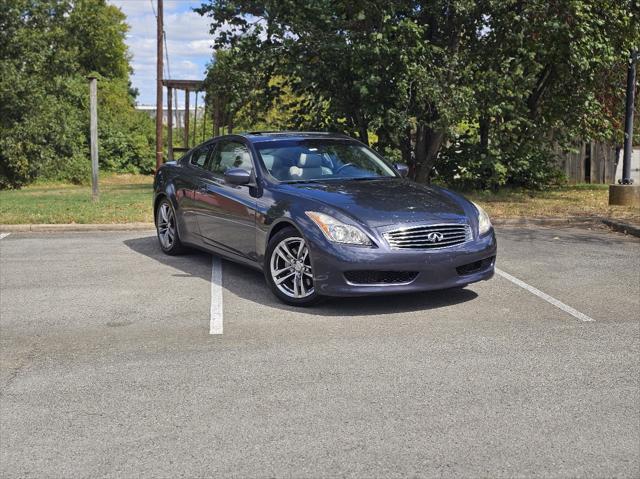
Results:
[364, 178]
[291, 182]
[338, 179]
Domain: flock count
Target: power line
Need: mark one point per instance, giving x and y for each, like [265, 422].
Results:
[167, 70]
[167, 66]
[166, 52]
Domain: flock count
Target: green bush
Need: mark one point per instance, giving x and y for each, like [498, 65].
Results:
[126, 136]
[464, 164]
[46, 52]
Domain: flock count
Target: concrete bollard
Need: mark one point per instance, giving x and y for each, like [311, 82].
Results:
[624, 195]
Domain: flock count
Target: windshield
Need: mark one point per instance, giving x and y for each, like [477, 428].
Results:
[321, 159]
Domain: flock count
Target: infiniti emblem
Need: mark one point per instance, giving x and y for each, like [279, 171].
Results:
[435, 237]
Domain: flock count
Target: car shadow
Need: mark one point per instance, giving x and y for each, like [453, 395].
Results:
[249, 284]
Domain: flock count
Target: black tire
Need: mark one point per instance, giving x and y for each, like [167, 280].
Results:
[167, 230]
[302, 279]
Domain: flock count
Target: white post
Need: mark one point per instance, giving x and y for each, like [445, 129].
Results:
[93, 95]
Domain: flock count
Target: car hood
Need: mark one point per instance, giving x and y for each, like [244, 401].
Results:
[385, 202]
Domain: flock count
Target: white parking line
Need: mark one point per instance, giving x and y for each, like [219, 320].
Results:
[4, 235]
[215, 323]
[545, 296]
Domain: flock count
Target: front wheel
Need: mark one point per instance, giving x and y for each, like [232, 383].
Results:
[288, 269]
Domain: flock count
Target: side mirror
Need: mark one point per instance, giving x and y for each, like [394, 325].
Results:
[402, 169]
[237, 176]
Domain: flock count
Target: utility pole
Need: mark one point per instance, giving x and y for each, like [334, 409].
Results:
[93, 131]
[628, 122]
[626, 193]
[159, 95]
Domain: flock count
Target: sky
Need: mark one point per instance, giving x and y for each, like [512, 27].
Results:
[189, 43]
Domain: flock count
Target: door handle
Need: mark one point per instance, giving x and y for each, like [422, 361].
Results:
[208, 187]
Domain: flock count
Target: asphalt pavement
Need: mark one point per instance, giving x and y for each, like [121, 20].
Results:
[107, 367]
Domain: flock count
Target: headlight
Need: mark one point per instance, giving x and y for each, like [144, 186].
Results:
[337, 231]
[484, 223]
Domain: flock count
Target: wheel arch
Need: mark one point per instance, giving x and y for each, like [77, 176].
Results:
[156, 202]
[279, 226]
[168, 192]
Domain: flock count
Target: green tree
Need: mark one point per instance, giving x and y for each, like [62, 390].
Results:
[361, 66]
[231, 86]
[47, 47]
[95, 34]
[481, 90]
[546, 74]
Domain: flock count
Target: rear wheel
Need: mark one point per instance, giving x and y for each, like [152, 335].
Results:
[166, 228]
[288, 269]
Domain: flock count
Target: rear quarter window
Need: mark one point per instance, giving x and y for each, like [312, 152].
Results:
[199, 157]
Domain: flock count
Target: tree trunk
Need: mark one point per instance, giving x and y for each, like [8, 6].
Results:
[406, 151]
[219, 115]
[363, 128]
[419, 151]
[384, 138]
[545, 79]
[484, 134]
[364, 135]
[230, 123]
[428, 143]
[216, 116]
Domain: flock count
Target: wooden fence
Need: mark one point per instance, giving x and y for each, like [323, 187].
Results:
[591, 162]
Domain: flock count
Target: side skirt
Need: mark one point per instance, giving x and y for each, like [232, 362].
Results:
[226, 255]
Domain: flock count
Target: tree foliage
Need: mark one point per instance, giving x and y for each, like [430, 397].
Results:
[475, 92]
[47, 48]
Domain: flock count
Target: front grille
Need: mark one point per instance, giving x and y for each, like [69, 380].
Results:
[474, 267]
[380, 277]
[428, 236]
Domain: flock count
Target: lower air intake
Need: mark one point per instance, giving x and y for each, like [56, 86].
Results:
[380, 277]
[474, 267]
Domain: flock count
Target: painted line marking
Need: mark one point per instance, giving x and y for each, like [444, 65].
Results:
[4, 235]
[215, 323]
[545, 296]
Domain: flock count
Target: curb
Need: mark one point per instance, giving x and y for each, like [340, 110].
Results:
[568, 221]
[77, 227]
[572, 221]
[621, 227]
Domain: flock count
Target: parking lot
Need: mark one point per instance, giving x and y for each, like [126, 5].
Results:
[108, 367]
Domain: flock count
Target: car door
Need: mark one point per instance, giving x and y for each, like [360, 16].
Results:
[228, 212]
[194, 165]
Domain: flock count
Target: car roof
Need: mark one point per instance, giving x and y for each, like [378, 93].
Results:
[264, 136]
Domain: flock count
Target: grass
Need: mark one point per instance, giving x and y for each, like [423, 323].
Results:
[563, 202]
[123, 199]
[127, 198]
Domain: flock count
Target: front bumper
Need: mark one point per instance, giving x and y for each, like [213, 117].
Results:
[436, 269]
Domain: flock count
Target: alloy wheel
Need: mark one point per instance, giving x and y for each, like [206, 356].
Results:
[291, 268]
[166, 226]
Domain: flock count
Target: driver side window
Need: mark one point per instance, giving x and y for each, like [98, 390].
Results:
[230, 154]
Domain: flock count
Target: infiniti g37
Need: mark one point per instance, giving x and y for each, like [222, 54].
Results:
[320, 215]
